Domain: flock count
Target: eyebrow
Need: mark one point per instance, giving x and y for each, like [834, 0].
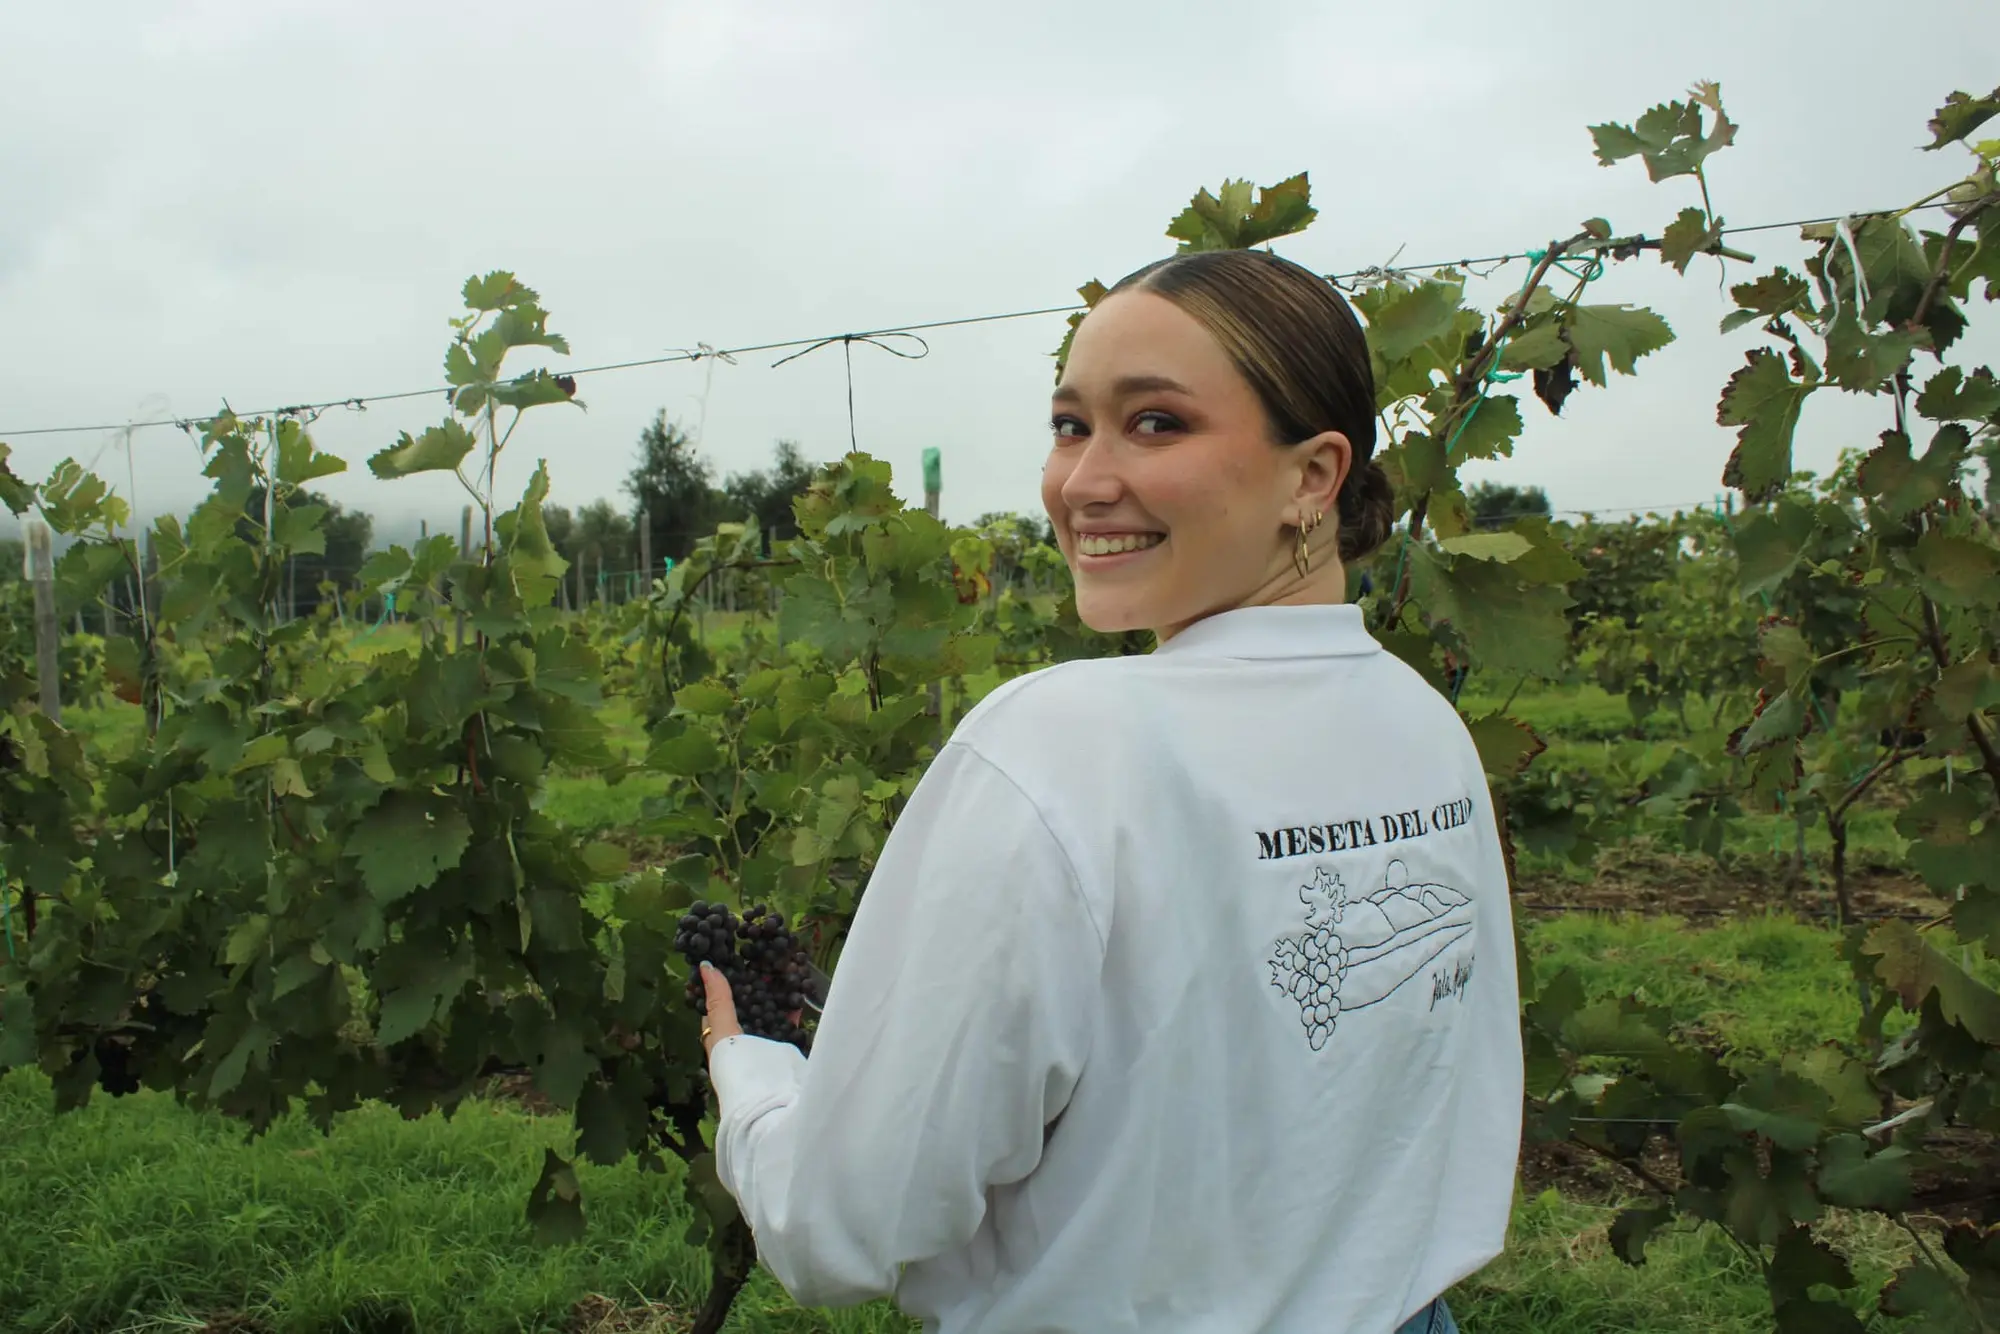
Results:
[1130, 385]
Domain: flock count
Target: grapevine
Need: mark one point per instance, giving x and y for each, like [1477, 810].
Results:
[325, 883]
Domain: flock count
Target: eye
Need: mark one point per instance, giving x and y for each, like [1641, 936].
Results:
[1068, 428]
[1156, 423]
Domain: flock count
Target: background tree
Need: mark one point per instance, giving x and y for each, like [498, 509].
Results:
[562, 528]
[348, 534]
[603, 534]
[674, 485]
[767, 494]
[1495, 506]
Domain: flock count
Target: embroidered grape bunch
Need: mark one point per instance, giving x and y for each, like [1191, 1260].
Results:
[1310, 967]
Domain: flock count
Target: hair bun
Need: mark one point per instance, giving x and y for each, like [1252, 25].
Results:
[1367, 506]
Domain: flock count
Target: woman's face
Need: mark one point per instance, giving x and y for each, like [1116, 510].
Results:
[1169, 499]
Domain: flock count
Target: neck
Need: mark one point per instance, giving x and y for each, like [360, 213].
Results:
[1325, 585]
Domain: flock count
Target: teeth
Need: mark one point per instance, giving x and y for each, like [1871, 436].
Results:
[1111, 546]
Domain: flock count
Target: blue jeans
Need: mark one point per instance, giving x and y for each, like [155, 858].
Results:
[1433, 1319]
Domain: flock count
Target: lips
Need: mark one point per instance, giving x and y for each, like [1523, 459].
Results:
[1116, 544]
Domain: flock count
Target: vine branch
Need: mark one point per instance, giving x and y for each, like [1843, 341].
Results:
[1941, 652]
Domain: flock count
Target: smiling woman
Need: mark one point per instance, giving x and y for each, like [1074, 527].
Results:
[1214, 407]
[1160, 1011]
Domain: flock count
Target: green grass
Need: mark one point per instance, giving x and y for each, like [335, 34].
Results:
[137, 1213]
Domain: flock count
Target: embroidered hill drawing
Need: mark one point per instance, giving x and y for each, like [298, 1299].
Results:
[1355, 953]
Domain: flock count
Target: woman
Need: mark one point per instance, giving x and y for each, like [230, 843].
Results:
[1161, 1011]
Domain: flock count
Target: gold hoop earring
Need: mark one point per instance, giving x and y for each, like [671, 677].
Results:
[1302, 554]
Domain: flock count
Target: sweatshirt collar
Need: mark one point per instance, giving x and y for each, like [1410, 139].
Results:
[1274, 632]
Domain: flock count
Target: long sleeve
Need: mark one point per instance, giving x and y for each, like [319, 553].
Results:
[956, 1027]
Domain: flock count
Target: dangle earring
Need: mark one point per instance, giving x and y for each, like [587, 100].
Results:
[1302, 554]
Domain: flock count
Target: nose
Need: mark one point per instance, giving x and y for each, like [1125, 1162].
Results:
[1093, 476]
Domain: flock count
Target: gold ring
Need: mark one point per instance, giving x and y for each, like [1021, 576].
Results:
[705, 1032]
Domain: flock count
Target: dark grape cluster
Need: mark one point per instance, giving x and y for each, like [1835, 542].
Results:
[766, 967]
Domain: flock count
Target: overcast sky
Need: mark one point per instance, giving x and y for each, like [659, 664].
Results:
[274, 201]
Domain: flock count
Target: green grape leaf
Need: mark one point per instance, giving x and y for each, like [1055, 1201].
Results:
[1853, 1100]
[1092, 292]
[1862, 361]
[1401, 320]
[603, 1125]
[1765, 401]
[1784, 1108]
[1904, 485]
[562, 1062]
[1970, 685]
[1977, 915]
[685, 754]
[1489, 432]
[1851, 1177]
[1510, 626]
[439, 449]
[1688, 235]
[1620, 333]
[1922, 1290]
[406, 841]
[497, 291]
[288, 779]
[705, 699]
[1785, 648]
[606, 860]
[1233, 222]
[296, 971]
[555, 1207]
[229, 1071]
[299, 462]
[1669, 138]
[1908, 965]
[18, 1045]
[15, 494]
[1800, 1262]
[1944, 849]
[1950, 395]
[1539, 347]
[1770, 543]
[296, 529]
[536, 388]
[73, 500]
[1634, 1227]
[1960, 571]
[82, 572]
[1500, 546]
[384, 570]
[1960, 115]
[1507, 746]
[1782, 718]
[1777, 293]
[405, 1012]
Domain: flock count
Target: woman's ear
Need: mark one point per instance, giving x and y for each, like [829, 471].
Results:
[1323, 462]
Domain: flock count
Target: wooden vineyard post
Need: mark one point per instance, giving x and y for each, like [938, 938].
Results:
[48, 666]
[464, 553]
[645, 551]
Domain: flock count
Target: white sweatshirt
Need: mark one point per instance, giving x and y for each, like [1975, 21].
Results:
[1182, 999]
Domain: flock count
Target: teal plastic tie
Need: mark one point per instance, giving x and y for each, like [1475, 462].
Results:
[388, 610]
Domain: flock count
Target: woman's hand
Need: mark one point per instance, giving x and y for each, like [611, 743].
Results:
[721, 1022]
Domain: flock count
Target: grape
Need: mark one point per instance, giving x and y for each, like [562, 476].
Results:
[763, 962]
